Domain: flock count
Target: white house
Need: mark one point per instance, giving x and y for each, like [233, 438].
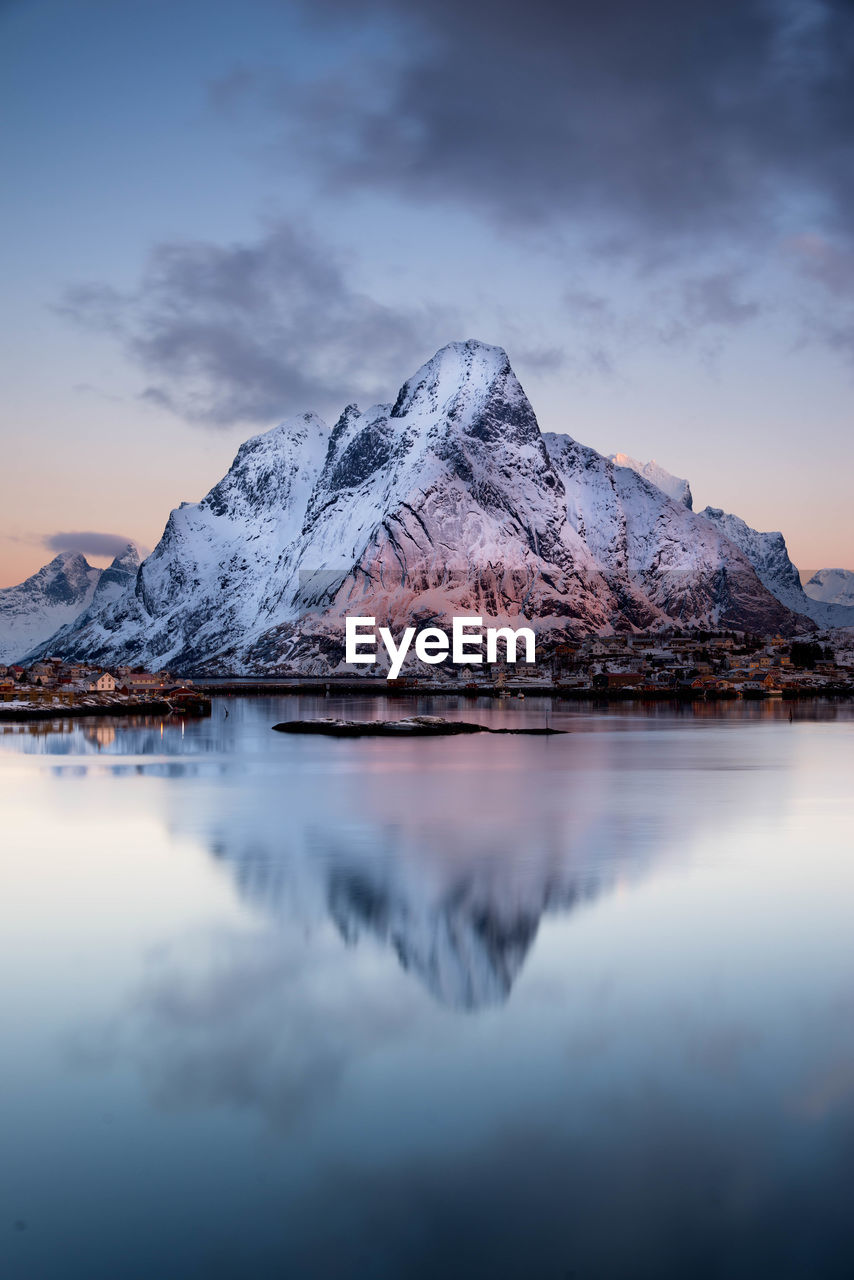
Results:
[103, 683]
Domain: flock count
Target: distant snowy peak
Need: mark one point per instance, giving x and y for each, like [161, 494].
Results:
[219, 562]
[128, 560]
[832, 586]
[118, 576]
[675, 487]
[33, 610]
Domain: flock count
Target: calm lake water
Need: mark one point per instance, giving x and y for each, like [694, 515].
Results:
[579, 1006]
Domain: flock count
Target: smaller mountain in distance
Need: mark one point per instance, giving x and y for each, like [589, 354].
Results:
[832, 586]
[51, 598]
[57, 595]
[116, 578]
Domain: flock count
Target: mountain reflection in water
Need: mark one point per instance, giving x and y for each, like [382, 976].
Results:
[449, 858]
[472, 1007]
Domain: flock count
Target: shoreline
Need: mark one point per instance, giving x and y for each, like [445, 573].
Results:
[200, 707]
[264, 687]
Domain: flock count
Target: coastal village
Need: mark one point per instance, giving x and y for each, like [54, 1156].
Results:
[690, 664]
[703, 664]
[686, 665]
[53, 682]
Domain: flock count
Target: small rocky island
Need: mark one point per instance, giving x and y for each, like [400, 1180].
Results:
[409, 726]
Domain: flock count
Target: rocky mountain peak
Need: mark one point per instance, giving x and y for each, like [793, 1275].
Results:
[448, 502]
[128, 560]
[55, 595]
[471, 389]
[674, 486]
[65, 578]
[118, 576]
[266, 466]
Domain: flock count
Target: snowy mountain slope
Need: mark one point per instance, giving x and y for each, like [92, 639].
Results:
[32, 611]
[461, 508]
[206, 580]
[114, 582]
[769, 556]
[448, 502]
[656, 549]
[766, 552]
[831, 586]
[117, 577]
[674, 486]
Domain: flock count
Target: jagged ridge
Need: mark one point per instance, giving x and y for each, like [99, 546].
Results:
[33, 610]
[768, 554]
[448, 501]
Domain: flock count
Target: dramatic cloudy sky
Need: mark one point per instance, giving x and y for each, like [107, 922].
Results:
[219, 213]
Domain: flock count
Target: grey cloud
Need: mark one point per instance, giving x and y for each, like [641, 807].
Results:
[99, 304]
[159, 398]
[255, 331]
[828, 308]
[539, 359]
[87, 542]
[715, 300]
[232, 88]
[692, 310]
[658, 123]
[832, 330]
[592, 307]
[660, 136]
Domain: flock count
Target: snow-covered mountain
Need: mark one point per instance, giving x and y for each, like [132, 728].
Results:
[117, 577]
[205, 584]
[769, 556]
[674, 486]
[115, 581]
[52, 597]
[206, 580]
[662, 561]
[767, 553]
[62, 593]
[831, 586]
[449, 501]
